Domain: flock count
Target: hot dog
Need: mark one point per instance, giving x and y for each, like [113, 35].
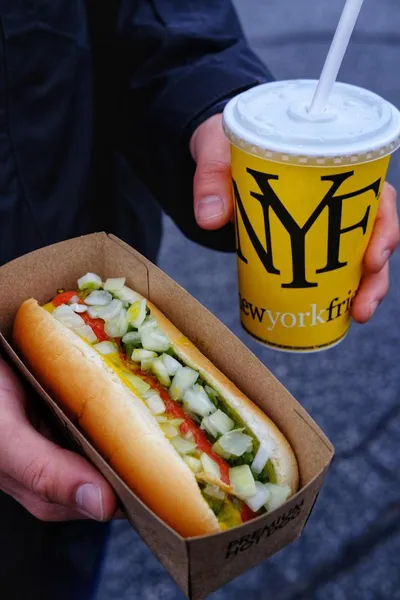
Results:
[186, 440]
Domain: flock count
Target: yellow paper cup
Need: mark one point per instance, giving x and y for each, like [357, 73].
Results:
[306, 195]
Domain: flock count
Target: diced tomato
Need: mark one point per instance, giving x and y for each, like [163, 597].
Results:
[247, 514]
[97, 326]
[63, 298]
[176, 411]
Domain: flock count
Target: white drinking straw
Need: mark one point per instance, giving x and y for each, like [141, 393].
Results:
[335, 55]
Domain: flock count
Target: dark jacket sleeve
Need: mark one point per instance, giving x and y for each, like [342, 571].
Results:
[185, 60]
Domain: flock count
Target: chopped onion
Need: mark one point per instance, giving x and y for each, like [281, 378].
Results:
[161, 419]
[171, 364]
[222, 421]
[132, 337]
[137, 313]
[182, 381]
[90, 281]
[146, 364]
[214, 491]
[74, 300]
[68, 317]
[106, 347]
[86, 332]
[235, 442]
[98, 298]
[113, 284]
[93, 312]
[110, 311]
[193, 463]
[242, 480]
[208, 426]
[278, 494]
[127, 295]
[78, 308]
[258, 499]
[197, 401]
[220, 451]
[210, 466]
[189, 435]
[219, 422]
[161, 372]
[139, 354]
[176, 422]
[148, 322]
[155, 404]
[169, 430]
[261, 459]
[183, 446]
[118, 326]
[140, 386]
[154, 339]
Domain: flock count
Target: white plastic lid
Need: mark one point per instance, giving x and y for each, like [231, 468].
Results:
[272, 121]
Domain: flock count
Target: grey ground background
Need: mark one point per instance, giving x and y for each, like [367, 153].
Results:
[350, 549]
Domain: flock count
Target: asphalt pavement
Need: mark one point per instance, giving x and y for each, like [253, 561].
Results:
[350, 549]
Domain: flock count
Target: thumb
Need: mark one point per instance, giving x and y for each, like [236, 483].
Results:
[47, 475]
[213, 205]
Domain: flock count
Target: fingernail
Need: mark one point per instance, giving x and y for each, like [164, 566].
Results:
[209, 208]
[89, 500]
[374, 306]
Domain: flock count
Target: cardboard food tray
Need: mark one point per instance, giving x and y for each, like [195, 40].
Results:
[203, 564]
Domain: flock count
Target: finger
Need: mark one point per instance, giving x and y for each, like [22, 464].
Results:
[385, 236]
[42, 510]
[212, 181]
[50, 482]
[373, 289]
[37, 507]
[12, 394]
[48, 474]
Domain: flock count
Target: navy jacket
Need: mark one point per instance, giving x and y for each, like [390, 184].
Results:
[88, 89]
[98, 101]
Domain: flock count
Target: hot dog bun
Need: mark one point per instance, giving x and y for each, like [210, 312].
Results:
[121, 427]
[114, 419]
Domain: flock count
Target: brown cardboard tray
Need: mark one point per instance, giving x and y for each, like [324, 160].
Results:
[198, 565]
